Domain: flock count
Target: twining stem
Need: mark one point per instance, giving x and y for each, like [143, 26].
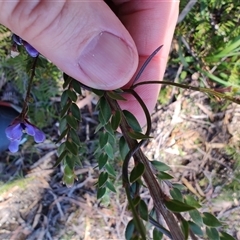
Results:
[26, 100]
[150, 179]
[198, 89]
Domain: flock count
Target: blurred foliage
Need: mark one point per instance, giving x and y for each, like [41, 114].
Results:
[209, 41]
[47, 81]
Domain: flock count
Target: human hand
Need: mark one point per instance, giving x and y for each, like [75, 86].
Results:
[89, 42]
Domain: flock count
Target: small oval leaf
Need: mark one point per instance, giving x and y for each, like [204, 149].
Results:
[116, 96]
[110, 170]
[129, 230]
[116, 119]
[190, 200]
[123, 147]
[195, 228]
[132, 121]
[164, 176]
[143, 210]
[72, 122]
[137, 172]
[76, 111]
[137, 135]
[226, 236]
[72, 95]
[110, 186]
[109, 150]
[212, 233]
[102, 160]
[177, 206]
[160, 166]
[101, 192]
[105, 110]
[102, 179]
[210, 220]
[72, 147]
[196, 217]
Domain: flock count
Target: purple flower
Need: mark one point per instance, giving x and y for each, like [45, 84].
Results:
[15, 131]
[19, 41]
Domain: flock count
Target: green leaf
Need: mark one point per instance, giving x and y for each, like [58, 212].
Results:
[72, 95]
[102, 179]
[123, 147]
[102, 160]
[116, 120]
[105, 110]
[109, 129]
[160, 166]
[65, 109]
[116, 96]
[76, 111]
[70, 161]
[68, 177]
[196, 217]
[72, 122]
[63, 135]
[132, 121]
[109, 150]
[164, 176]
[99, 127]
[62, 125]
[190, 200]
[176, 194]
[177, 206]
[210, 220]
[68, 180]
[156, 234]
[61, 148]
[67, 80]
[185, 228]
[143, 210]
[110, 186]
[103, 139]
[60, 158]
[74, 137]
[76, 86]
[226, 236]
[72, 147]
[195, 228]
[110, 170]
[179, 186]
[98, 92]
[137, 135]
[137, 172]
[101, 192]
[129, 230]
[212, 233]
[64, 98]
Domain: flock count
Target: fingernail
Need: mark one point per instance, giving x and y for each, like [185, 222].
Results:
[107, 62]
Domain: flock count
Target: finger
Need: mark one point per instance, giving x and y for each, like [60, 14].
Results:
[151, 24]
[84, 39]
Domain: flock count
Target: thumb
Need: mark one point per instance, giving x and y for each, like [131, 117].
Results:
[84, 39]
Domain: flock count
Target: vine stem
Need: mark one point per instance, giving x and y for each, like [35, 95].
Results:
[214, 92]
[150, 179]
[30, 83]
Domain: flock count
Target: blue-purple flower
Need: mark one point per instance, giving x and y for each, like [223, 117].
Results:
[19, 41]
[15, 131]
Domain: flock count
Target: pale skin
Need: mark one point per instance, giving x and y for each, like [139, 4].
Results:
[98, 47]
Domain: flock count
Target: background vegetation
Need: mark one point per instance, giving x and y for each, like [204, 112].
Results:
[196, 134]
